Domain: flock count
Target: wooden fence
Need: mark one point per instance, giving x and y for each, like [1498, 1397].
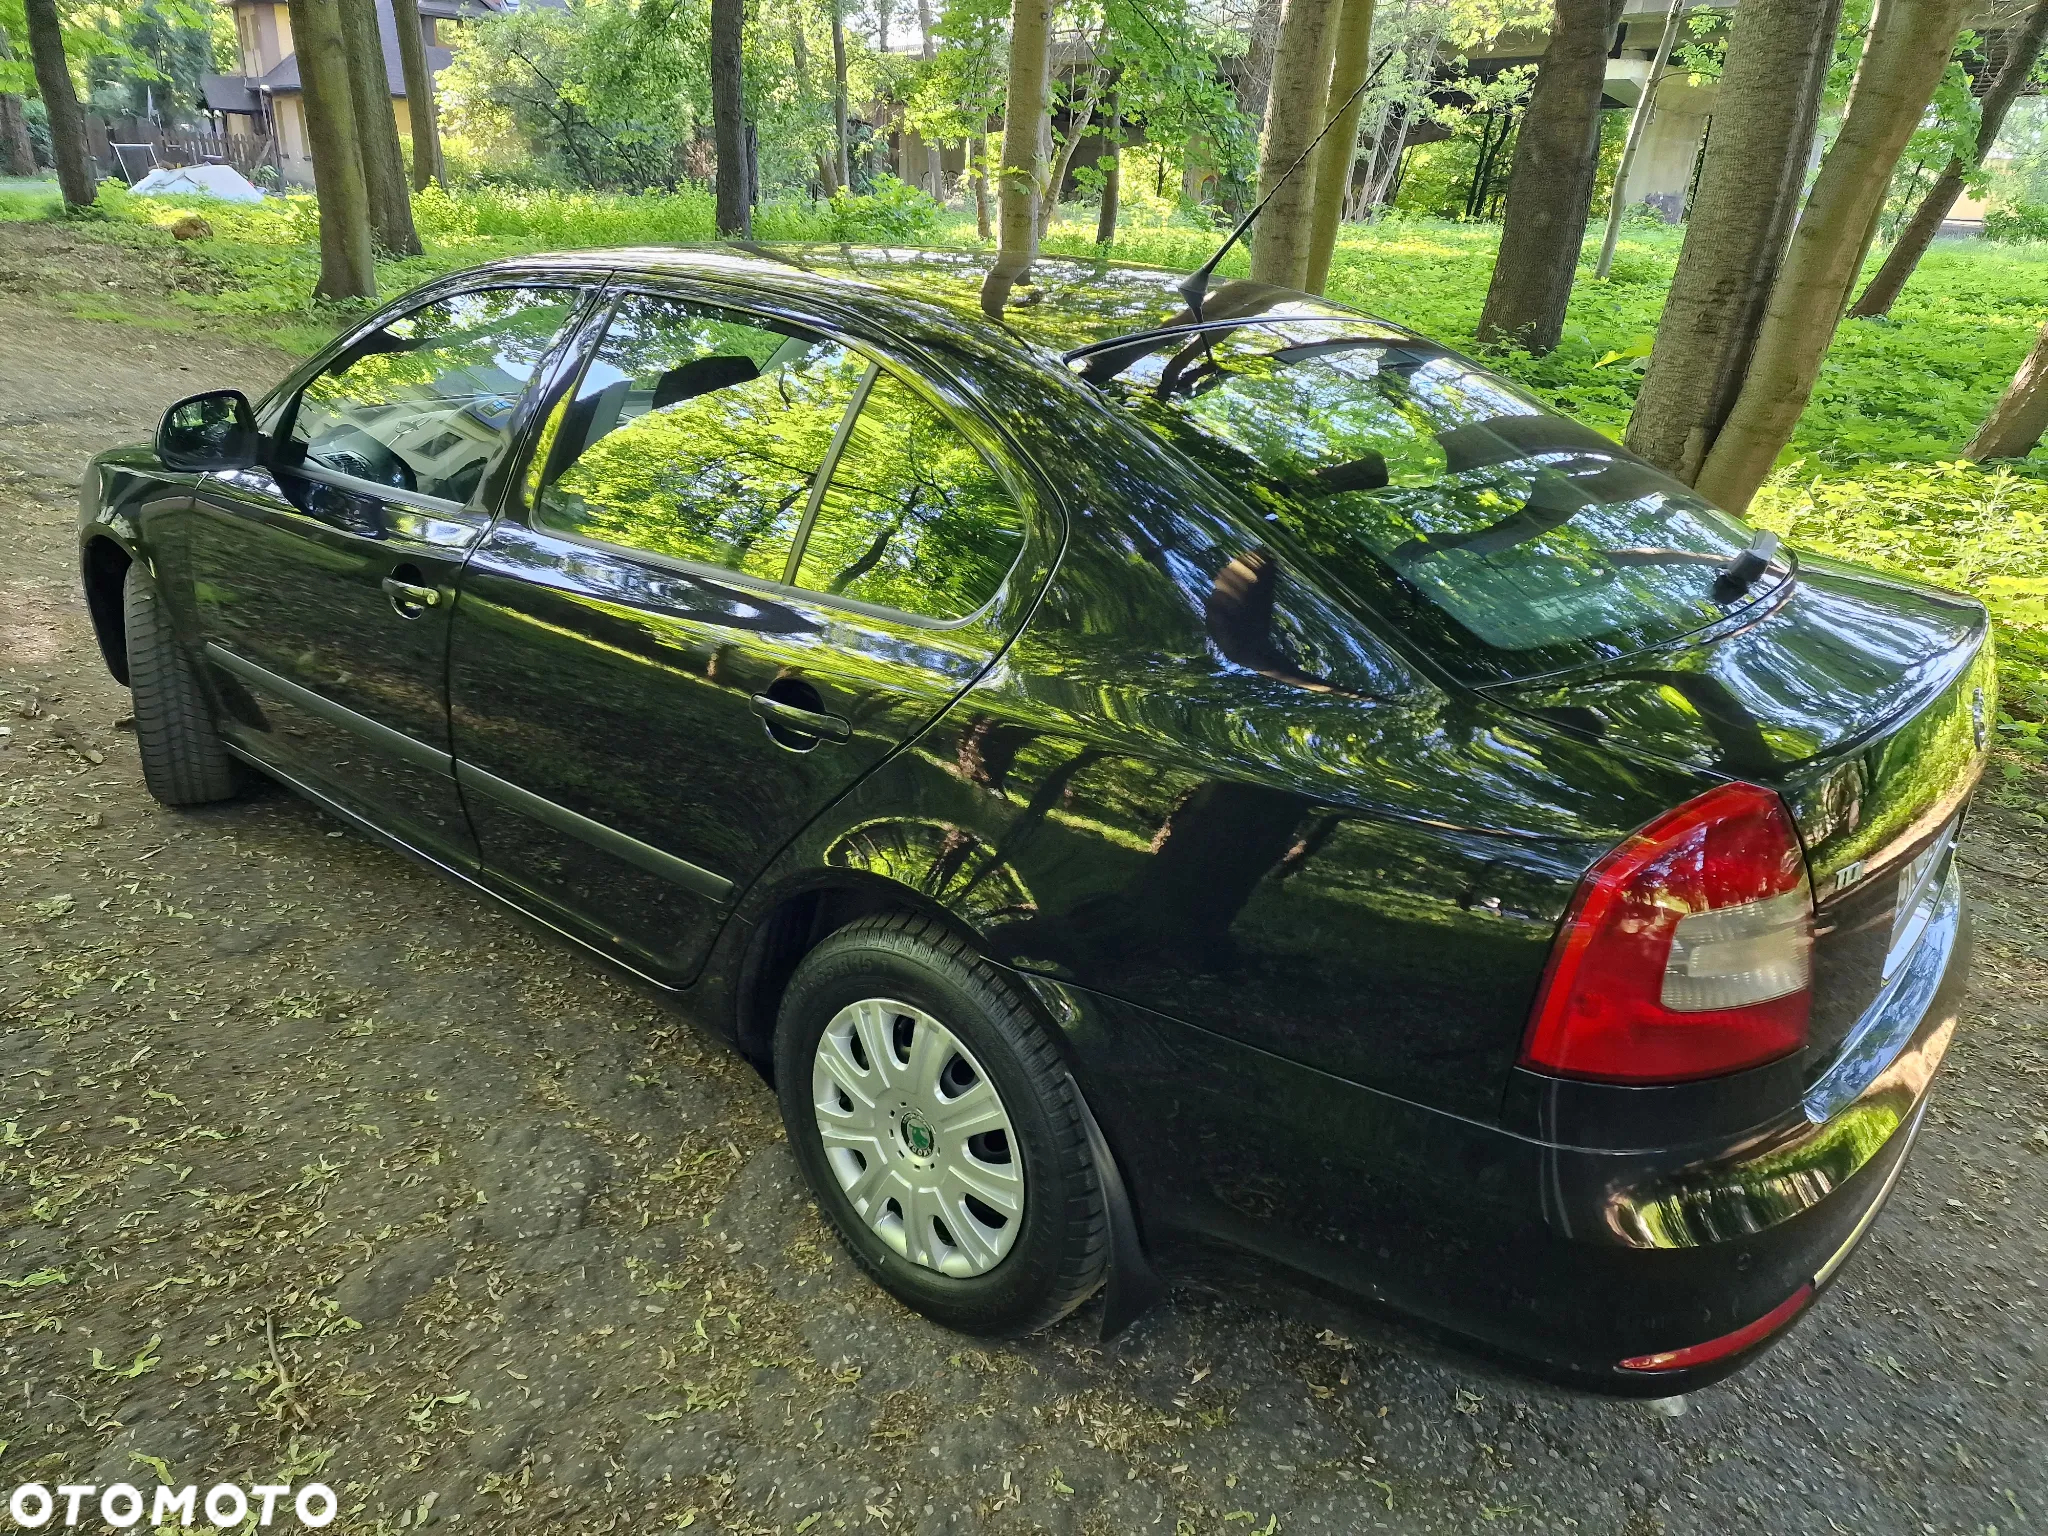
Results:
[129, 149]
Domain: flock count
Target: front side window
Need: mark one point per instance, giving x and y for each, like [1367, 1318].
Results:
[695, 433]
[913, 517]
[1517, 541]
[423, 404]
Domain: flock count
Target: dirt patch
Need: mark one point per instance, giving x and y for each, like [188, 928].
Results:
[314, 1164]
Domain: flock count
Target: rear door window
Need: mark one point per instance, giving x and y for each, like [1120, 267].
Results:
[1511, 540]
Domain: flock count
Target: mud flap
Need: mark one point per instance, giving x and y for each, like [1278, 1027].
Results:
[1133, 1285]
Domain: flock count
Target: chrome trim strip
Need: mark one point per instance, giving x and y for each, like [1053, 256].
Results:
[629, 850]
[1840, 1257]
[1890, 1020]
[405, 748]
[325, 802]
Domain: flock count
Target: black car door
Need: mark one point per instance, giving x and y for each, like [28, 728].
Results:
[751, 558]
[319, 586]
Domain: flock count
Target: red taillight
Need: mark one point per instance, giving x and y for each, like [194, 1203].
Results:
[1687, 951]
[1726, 1345]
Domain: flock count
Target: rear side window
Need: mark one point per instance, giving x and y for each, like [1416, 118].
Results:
[913, 516]
[1515, 540]
[695, 433]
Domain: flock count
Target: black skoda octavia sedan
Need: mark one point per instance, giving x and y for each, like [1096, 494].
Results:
[1132, 777]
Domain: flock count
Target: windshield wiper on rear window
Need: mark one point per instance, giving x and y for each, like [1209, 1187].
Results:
[1740, 573]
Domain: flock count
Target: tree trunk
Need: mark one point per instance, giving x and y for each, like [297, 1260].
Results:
[729, 120]
[934, 160]
[1077, 125]
[60, 101]
[2021, 415]
[420, 106]
[1294, 116]
[17, 150]
[1550, 189]
[1023, 152]
[347, 268]
[1258, 60]
[1902, 62]
[800, 56]
[1112, 167]
[2023, 49]
[1351, 60]
[1743, 205]
[845, 150]
[1637, 122]
[377, 130]
[983, 230]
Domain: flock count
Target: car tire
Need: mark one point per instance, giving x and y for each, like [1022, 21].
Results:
[929, 998]
[183, 759]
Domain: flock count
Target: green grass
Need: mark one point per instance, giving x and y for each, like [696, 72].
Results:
[1871, 473]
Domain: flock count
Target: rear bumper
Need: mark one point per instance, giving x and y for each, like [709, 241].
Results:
[1561, 1260]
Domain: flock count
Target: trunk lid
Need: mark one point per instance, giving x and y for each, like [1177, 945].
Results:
[1865, 701]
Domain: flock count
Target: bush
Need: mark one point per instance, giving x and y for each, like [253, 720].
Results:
[895, 213]
[2017, 224]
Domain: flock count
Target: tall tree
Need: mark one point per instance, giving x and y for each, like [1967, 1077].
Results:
[1111, 165]
[1294, 116]
[347, 267]
[934, 162]
[1018, 181]
[383, 162]
[1638, 120]
[1750, 179]
[60, 102]
[17, 151]
[1351, 61]
[2021, 415]
[1256, 88]
[842, 142]
[2023, 49]
[1078, 121]
[729, 119]
[1902, 62]
[1550, 190]
[420, 107]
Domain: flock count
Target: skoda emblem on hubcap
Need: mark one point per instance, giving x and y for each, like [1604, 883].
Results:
[918, 1136]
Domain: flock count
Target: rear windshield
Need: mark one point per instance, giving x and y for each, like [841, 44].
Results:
[1511, 541]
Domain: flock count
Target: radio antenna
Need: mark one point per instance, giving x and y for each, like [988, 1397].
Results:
[1197, 284]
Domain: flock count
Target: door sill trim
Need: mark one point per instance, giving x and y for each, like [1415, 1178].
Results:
[322, 801]
[406, 749]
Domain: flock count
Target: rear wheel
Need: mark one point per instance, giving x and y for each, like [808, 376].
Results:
[183, 759]
[938, 1128]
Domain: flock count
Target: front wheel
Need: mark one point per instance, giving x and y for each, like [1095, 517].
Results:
[183, 760]
[938, 1128]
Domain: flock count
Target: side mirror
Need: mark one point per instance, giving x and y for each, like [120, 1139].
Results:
[216, 430]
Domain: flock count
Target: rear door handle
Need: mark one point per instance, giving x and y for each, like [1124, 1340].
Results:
[809, 722]
[409, 597]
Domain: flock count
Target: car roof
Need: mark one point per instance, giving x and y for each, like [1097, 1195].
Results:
[1069, 304]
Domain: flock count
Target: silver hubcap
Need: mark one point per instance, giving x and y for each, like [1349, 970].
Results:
[917, 1137]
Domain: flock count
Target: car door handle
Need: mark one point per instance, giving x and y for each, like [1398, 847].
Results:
[409, 597]
[809, 722]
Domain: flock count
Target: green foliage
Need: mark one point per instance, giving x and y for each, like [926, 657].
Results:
[895, 213]
[2017, 224]
[1979, 530]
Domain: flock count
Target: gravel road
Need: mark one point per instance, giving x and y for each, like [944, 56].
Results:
[314, 1165]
